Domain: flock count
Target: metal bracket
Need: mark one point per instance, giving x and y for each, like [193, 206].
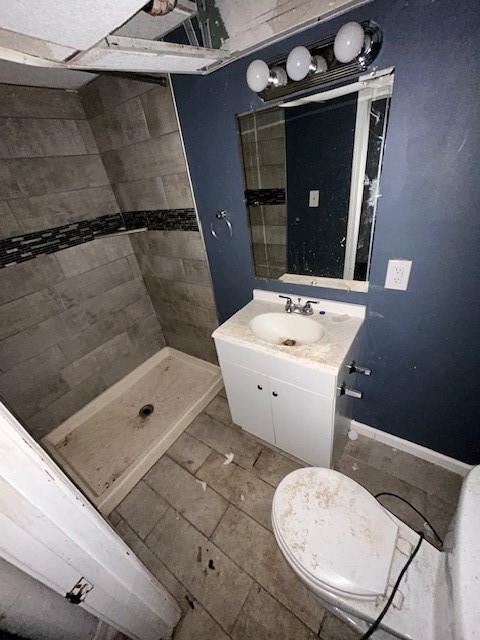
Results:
[79, 591]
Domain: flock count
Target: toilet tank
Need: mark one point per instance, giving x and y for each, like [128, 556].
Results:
[462, 557]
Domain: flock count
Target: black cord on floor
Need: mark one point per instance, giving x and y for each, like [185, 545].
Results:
[377, 622]
[394, 495]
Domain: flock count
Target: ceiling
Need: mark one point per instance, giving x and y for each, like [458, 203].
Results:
[51, 43]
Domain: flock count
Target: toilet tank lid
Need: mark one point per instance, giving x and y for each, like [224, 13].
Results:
[336, 530]
[465, 559]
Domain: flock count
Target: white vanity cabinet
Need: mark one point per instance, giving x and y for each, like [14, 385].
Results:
[293, 419]
[290, 398]
[293, 407]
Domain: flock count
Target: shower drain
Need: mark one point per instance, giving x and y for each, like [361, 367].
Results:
[146, 411]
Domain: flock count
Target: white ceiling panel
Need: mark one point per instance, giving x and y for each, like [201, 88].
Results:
[143, 25]
[79, 24]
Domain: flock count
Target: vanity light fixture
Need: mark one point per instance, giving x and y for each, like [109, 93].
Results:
[300, 63]
[341, 56]
[349, 42]
[260, 76]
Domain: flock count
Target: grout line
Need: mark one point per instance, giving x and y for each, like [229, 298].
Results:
[240, 611]
[56, 118]
[232, 426]
[55, 193]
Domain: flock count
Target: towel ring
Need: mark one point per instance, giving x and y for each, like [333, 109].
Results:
[221, 215]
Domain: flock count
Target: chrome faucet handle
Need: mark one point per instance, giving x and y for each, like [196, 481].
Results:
[307, 308]
[288, 304]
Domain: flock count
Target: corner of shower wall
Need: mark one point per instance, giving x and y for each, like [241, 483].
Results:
[136, 129]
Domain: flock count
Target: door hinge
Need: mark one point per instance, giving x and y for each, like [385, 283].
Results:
[79, 591]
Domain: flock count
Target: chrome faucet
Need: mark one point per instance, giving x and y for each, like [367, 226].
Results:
[302, 309]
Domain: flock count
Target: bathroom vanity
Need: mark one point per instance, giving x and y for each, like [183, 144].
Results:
[289, 378]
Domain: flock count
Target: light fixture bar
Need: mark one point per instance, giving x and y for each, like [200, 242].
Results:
[336, 71]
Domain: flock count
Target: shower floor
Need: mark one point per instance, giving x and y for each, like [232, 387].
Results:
[107, 446]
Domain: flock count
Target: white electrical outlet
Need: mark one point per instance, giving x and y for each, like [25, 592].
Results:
[314, 198]
[398, 273]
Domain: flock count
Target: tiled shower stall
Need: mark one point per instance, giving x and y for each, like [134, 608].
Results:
[80, 307]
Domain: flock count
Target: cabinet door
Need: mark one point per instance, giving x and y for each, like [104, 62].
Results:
[303, 422]
[248, 394]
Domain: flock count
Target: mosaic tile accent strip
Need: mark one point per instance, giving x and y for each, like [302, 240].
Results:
[255, 197]
[27, 246]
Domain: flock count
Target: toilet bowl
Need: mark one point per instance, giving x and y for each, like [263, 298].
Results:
[349, 550]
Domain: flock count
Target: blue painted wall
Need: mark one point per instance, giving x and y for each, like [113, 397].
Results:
[422, 344]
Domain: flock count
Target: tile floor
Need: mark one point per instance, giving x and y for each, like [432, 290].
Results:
[211, 544]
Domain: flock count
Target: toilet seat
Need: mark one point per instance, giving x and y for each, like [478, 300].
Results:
[334, 533]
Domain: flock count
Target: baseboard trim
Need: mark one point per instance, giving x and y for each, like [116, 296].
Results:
[462, 468]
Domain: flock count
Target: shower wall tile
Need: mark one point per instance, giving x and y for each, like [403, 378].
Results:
[112, 91]
[89, 141]
[96, 282]
[51, 172]
[162, 267]
[33, 340]
[146, 335]
[32, 385]
[8, 223]
[177, 190]
[159, 111]
[142, 194]
[196, 272]
[37, 176]
[87, 256]
[22, 279]
[32, 309]
[100, 359]
[32, 102]
[29, 138]
[153, 157]
[152, 173]
[66, 405]
[90, 100]
[56, 209]
[123, 125]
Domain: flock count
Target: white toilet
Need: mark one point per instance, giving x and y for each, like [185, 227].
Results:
[349, 550]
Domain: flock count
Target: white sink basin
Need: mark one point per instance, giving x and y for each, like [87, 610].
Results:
[282, 328]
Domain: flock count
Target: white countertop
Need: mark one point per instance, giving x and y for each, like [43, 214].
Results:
[341, 323]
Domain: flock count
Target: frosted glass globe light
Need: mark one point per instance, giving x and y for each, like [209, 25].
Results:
[299, 63]
[258, 75]
[349, 42]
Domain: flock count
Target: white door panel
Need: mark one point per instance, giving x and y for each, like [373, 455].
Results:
[303, 422]
[50, 531]
[248, 394]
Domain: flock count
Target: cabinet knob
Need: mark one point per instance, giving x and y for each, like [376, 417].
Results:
[259, 387]
[274, 394]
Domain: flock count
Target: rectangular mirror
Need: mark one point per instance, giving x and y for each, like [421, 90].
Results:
[312, 169]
